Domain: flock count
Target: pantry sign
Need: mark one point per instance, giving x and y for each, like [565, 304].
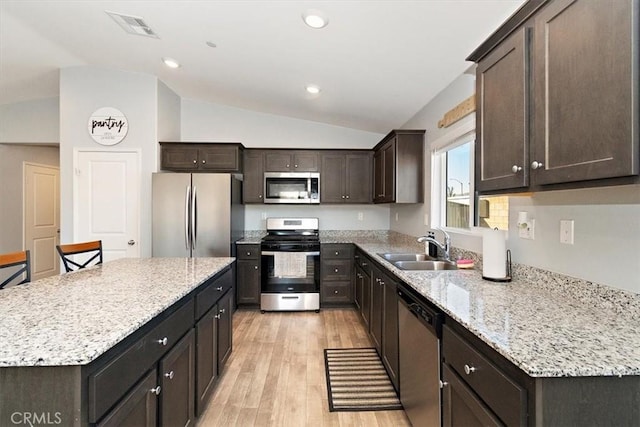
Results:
[108, 126]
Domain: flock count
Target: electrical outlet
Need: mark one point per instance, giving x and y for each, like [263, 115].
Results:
[396, 216]
[426, 220]
[527, 230]
[263, 215]
[360, 216]
[566, 231]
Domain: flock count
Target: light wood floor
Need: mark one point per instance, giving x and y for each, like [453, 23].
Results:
[275, 375]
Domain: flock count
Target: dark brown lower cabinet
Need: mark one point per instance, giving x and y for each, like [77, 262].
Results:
[206, 357]
[177, 379]
[139, 407]
[248, 282]
[225, 337]
[460, 405]
[377, 305]
[390, 350]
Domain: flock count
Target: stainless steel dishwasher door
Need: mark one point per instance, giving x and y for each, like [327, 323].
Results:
[419, 364]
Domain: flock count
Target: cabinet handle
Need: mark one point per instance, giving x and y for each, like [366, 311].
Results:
[381, 282]
[347, 197]
[219, 288]
[443, 384]
[335, 270]
[195, 161]
[335, 292]
[222, 311]
[337, 253]
[218, 316]
[343, 197]
[255, 267]
[364, 264]
[169, 375]
[156, 390]
[516, 168]
[287, 165]
[378, 279]
[359, 276]
[536, 165]
[295, 166]
[163, 341]
[380, 195]
[248, 253]
[469, 369]
[260, 196]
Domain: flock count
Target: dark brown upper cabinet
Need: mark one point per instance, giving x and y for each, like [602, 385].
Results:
[253, 177]
[585, 80]
[398, 168]
[291, 161]
[557, 103]
[201, 157]
[502, 138]
[345, 177]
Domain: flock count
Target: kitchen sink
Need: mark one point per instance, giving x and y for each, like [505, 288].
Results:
[426, 265]
[393, 257]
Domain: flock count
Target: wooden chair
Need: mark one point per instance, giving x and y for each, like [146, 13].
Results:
[21, 258]
[66, 251]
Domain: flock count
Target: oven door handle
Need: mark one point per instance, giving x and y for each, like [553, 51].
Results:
[272, 253]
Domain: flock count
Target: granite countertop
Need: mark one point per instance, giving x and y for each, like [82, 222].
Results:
[545, 332]
[73, 318]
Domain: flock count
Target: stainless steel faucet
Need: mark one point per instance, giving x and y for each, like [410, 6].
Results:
[445, 247]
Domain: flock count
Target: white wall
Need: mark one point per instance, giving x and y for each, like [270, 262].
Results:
[12, 157]
[607, 220]
[82, 91]
[30, 122]
[203, 121]
[169, 114]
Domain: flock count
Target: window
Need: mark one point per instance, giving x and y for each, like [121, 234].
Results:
[454, 204]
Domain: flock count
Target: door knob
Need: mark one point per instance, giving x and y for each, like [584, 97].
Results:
[131, 242]
[536, 165]
[516, 168]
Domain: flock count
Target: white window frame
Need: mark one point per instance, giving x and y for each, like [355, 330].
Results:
[461, 134]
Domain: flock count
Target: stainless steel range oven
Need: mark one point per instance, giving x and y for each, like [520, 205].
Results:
[290, 265]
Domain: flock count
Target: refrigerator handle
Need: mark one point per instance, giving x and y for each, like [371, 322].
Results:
[187, 234]
[194, 217]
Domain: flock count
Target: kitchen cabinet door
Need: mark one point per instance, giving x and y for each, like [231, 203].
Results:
[585, 80]
[177, 379]
[367, 287]
[138, 408]
[291, 161]
[377, 306]
[179, 157]
[225, 333]
[390, 354]
[460, 406]
[332, 185]
[219, 158]
[248, 282]
[206, 357]
[253, 177]
[357, 178]
[502, 116]
[398, 167]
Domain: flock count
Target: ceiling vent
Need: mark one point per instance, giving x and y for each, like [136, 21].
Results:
[132, 24]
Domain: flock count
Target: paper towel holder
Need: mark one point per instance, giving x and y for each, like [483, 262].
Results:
[507, 278]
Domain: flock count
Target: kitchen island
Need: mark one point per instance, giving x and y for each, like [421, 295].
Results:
[73, 345]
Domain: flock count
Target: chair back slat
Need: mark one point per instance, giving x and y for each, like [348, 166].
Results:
[68, 250]
[21, 259]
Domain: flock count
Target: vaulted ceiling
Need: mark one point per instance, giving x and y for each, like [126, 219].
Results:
[376, 62]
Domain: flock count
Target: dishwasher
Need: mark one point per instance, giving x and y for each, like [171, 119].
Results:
[419, 329]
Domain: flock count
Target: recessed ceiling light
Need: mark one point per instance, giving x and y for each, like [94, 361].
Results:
[313, 89]
[211, 44]
[171, 63]
[315, 19]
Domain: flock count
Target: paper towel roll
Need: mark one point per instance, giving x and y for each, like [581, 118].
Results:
[494, 254]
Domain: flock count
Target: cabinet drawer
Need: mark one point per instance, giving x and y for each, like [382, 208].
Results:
[210, 295]
[111, 382]
[247, 251]
[337, 269]
[506, 398]
[337, 251]
[336, 292]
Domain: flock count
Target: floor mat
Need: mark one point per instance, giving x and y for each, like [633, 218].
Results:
[357, 381]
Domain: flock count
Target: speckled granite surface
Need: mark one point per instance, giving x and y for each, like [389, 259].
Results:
[545, 331]
[73, 318]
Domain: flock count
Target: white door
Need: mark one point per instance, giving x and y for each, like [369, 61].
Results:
[107, 201]
[42, 218]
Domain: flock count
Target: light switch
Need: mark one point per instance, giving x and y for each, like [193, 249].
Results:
[566, 231]
[360, 216]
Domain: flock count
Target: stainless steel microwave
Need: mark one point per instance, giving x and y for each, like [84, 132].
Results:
[292, 187]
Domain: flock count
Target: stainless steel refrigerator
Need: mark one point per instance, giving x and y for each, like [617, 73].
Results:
[196, 215]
